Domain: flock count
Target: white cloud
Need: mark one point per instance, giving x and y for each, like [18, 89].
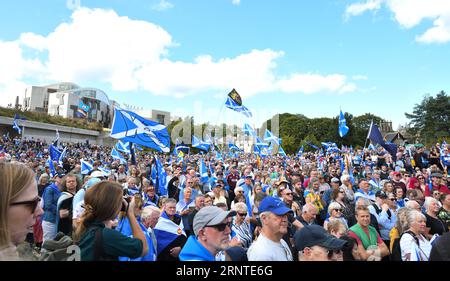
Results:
[14, 68]
[357, 9]
[163, 5]
[410, 13]
[236, 2]
[101, 46]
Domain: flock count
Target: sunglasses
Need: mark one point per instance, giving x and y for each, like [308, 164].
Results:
[341, 192]
[338, 210]
[242, 214]
[290, 193]
[393, 199]
[31, 203]
[221, 227]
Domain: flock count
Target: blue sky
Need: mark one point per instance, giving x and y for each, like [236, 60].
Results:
[184, 56]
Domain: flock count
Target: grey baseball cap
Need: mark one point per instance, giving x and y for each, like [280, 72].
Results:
[210, 215]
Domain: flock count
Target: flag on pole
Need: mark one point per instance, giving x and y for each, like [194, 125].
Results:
[234, 102]
[269, 137]
[375, 137]
[16, 126]
[199, 144]
[86, 167]
[123, 146]
[343, 129]
[203, 172]
[51, 166]
[281, 151]
[130, 127]
[116, 155]
[248, 130]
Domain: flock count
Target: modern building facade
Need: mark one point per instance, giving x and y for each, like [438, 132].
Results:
[69, 100]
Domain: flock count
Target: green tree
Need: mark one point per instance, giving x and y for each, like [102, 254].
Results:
[430, 119]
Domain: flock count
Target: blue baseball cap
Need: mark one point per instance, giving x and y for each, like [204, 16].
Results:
[273, 205]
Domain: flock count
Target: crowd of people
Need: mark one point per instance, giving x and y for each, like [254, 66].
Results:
[341, 206]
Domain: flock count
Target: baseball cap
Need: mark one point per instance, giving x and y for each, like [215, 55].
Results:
[209, 216]
[334, 180]
[274, 205]
[396, 173]
[315, 235]
[60, 174]
[381, 194]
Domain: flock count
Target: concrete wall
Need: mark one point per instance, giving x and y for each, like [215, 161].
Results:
[47, 132]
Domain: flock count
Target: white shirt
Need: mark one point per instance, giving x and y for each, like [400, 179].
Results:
[408, 243]
[264, 249]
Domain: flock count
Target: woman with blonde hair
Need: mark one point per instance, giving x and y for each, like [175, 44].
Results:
[19, 207]
[102, 204]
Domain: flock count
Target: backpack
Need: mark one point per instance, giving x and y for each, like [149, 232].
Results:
[62, 248]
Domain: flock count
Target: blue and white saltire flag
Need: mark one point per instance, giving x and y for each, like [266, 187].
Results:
[232, 147]
[248, 130]
[199, 144]
[105, 171]
[86, 167]
[219, 156]
[138, 147]
[343, 128]
[269, 137]
[281, 151]
[123, 146]
[372, 147]
[300, 151]
[260, 143]
[312, 145]
[375, 137]
[231, 104]
[116, 155]
[203, 172]
[49, 162]
[256, 150]
[166, 231]
[130, 127]
[124, 227]
[62, 156]
[159, 177]
[16, 126]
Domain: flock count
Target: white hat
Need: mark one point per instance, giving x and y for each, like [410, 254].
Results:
[97, 174]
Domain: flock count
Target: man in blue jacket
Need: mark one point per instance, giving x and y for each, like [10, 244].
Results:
[212, 234]
[50, 198]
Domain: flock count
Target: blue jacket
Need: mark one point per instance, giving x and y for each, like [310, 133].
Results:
[51, 196]
[194, 251]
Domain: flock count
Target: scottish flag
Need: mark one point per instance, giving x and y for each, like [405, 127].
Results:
[116, 155]
[260, 143]
[219, 156]
[166, 231]
[232, 147]
[62, 156]
[83, 106]
[16, 126]
[159, 177]
[300, 151]
[86, 167]
[124, 227]
[199, 144]
[123, 146]
[203, 172]
[105, 171]
[269, 137]
[231, 104]
[343, 129]
[51, 166]
[312, 145]
[130, 127]
[248, 130]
